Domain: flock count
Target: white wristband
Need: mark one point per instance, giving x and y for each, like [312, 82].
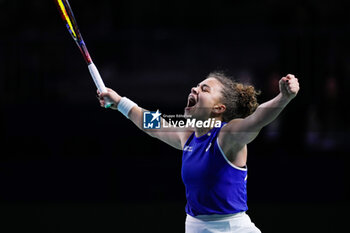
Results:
[125, 105]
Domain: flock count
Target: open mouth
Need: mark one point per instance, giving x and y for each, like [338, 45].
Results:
[191, 101]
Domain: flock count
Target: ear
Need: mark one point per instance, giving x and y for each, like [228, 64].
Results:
[219, 108]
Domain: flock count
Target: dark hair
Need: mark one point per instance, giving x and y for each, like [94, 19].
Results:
[240, 99]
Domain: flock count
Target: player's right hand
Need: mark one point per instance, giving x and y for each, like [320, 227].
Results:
[112, 95]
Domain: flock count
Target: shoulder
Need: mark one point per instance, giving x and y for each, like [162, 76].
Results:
[229, 130]
[231, 126]
[234, 151]
[227, 136]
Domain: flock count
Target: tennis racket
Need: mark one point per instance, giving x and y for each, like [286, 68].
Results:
[71, 24]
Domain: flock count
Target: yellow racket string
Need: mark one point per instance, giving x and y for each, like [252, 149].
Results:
[63, 9]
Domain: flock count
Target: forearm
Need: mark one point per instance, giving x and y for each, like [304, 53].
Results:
[135, 115]
[172, 137]
[268, 111]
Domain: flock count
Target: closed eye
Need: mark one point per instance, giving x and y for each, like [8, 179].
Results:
[205, 88]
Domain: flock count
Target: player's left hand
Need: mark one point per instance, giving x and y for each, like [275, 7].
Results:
[289, 86]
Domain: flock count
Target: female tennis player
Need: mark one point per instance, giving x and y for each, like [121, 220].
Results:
[214, 159]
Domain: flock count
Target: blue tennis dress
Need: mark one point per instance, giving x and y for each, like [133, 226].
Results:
[213, 184]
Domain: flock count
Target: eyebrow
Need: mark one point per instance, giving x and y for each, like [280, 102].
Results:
[204, 85]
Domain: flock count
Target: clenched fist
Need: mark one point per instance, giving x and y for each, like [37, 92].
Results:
[289, 86]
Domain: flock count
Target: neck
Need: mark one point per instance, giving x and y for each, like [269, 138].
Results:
[201, 131]
[204, 130]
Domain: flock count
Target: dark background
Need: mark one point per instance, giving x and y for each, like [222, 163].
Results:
[68, 165]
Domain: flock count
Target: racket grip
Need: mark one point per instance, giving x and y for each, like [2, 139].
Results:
[99, 83]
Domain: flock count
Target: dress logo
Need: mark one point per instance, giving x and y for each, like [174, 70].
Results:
[208, 148]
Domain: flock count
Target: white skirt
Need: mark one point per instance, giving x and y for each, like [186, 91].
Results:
[233, 223]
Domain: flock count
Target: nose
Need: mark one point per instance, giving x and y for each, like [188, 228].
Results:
[194, 90]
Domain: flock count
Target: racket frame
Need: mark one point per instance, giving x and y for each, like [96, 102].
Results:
[72, 26]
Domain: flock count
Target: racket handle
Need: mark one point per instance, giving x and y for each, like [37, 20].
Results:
[99, 83]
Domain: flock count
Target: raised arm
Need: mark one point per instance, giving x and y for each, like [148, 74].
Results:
[175, 138]
[242, 131]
